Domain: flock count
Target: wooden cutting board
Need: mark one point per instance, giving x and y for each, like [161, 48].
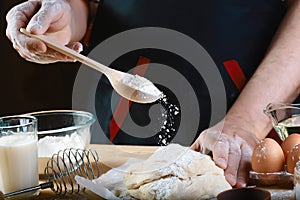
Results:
[110, 156]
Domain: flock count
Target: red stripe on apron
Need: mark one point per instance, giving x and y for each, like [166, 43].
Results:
[124, 104]
[236, 74]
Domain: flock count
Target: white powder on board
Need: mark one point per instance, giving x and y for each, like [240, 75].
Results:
[162, 188]
[49, 145]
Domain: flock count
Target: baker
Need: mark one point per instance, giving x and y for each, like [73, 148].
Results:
[253, 44]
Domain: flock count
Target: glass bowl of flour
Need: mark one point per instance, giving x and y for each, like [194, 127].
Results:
[60, 130]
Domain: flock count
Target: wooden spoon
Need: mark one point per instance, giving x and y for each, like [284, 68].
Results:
[132, 87]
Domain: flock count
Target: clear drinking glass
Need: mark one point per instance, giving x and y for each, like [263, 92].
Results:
[18, 155]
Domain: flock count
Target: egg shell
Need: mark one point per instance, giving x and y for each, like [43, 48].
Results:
[289, 143]
[267, 156]
[293, 158]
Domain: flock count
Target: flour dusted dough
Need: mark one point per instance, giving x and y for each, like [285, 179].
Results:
[175, 172]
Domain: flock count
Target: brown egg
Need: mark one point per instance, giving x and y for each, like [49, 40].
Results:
[267, 156]
[289, 143]
[292, 158]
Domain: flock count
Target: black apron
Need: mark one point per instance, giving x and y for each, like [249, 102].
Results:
[236, 34]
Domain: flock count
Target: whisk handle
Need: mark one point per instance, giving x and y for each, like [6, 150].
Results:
[46, 185]
[40, 186]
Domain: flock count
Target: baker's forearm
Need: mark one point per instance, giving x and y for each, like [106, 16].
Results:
[79, 18]
[278, 77]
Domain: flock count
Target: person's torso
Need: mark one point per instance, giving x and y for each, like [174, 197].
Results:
[235, 34]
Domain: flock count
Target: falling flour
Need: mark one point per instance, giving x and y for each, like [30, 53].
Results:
[169, 111]
[49, 145]
[168, 129]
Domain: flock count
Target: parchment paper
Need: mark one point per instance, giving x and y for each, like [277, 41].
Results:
[109, 185]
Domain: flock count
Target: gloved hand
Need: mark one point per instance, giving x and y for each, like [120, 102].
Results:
[49, 17]
[232, 146]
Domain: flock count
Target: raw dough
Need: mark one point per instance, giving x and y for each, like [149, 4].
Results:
[175, 172]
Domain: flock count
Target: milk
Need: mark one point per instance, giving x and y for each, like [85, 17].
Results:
[18, 163]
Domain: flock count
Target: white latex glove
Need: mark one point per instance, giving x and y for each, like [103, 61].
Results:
[232, 148]
[49, 17]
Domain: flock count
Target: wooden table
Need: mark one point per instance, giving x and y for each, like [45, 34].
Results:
[110, 156]
[115, 155]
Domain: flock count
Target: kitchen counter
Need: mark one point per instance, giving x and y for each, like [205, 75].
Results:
[115, 155]
[110, 156]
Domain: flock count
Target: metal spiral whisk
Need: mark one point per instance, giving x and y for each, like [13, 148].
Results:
[63, 166]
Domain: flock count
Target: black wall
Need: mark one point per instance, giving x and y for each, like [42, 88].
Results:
[27, 87]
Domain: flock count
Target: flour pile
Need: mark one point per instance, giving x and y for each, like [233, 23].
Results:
[49, 145]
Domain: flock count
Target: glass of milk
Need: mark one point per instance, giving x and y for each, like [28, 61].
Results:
[18, 155]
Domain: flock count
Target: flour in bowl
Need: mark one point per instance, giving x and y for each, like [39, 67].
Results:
[49, 145]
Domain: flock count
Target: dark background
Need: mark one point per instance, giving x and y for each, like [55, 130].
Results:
[27, 87]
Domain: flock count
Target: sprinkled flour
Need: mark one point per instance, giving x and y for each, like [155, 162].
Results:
[185, 160]
[169, 111]
[162, 188]
[49, 145]
[168, 129]
[175, 172]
